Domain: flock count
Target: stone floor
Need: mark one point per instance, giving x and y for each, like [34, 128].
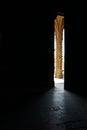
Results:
[55, 109]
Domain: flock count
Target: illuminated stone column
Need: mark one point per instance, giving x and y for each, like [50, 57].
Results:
[59, 35]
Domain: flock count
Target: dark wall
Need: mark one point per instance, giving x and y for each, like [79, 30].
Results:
[75, 44]
[7, 62]
[26, 57]
[28, 49]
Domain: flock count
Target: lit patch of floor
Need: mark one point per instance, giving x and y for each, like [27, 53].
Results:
[56, 109]
[57, 80]
[59, 83]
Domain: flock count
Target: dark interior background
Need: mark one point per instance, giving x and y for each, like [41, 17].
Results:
[27, 52]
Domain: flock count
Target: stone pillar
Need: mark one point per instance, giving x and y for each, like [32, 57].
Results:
[59, 34]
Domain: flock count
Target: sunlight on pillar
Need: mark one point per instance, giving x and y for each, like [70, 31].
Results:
[56, 52]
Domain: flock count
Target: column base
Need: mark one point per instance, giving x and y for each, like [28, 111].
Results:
[60, 76]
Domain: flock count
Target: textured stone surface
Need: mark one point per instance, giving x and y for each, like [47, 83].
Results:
[56, 109]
